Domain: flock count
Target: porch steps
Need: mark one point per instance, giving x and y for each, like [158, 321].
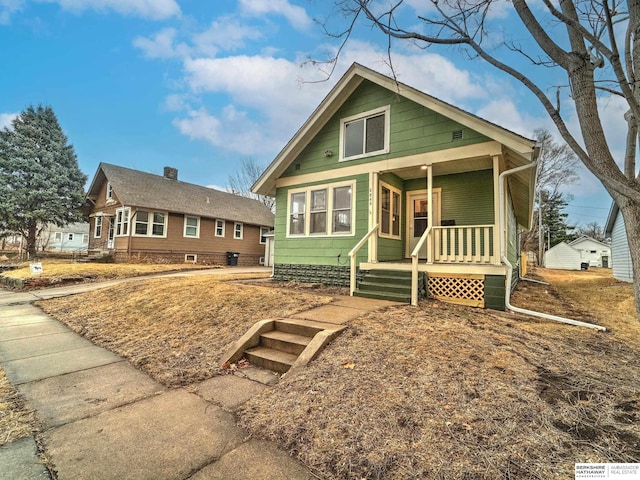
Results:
[388, 285]
[281, 344]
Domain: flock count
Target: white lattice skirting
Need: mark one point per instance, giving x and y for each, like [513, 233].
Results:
[460, 289]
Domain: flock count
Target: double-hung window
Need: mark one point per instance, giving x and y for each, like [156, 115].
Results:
[97, 232]
[219, 228]
[365, 134]
[109, 192]
[238, 230]
[329, 210]
[57, 237]
[150, 224]
[389, 211]
[192, 227]
[264, 231]
[122, 222]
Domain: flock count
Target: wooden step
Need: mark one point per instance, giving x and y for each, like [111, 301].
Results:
[271, 359]
[284, 341]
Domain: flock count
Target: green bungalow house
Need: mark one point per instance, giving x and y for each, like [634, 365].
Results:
[398, 194]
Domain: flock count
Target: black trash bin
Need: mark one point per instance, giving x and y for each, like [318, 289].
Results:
[584, 266]
[232, 259]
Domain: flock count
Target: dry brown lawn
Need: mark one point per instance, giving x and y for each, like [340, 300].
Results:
[58, 269]
[435, 392]
[175, 329]
[16, 420]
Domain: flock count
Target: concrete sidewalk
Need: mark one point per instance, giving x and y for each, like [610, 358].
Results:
[103, 419]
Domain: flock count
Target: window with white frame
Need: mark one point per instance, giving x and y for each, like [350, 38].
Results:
[97, 231]
[85, 238]
[389, 211]
[122, 221]
[219, 228]
[365, 134]
[192, 227]
[237, 231]
[263, 234]
[150, 224]
[330, 210]
[109, 192]
[70, 237]
[57, 237]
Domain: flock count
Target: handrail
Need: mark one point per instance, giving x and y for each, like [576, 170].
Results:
[414, 266]
[352, 258]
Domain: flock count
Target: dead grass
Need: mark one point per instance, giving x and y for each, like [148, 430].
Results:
[438, 392]
[57, 269]
[175, 329]
[448, 392]
[16, 420]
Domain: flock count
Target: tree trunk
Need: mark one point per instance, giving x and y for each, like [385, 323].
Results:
[31, 239]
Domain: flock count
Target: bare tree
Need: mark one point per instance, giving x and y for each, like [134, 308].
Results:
[242, 180]
[579, 39]
[593, 230]
[557, 166]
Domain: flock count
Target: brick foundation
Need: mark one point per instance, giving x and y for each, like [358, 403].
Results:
[244, 260]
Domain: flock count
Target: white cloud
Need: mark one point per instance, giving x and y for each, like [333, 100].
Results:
[8, 8]
[295, 15]
[225, 33]
[151, 9]
[159, 46]
[6, 119]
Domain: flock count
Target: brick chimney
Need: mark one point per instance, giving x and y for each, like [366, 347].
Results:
[171, 173]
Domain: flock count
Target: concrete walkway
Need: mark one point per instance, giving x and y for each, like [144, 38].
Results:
[103, 419]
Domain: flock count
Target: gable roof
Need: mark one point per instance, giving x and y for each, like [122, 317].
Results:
[134, 188]
[520, 149]
[611, 219]
[584, 238]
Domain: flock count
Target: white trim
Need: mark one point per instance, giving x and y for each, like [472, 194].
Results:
[307, 220]
[468, 152]
[123, 223]
[215, 228]
[95, 226]
[192, 260]
[85, 238]
[392, 190]
[150, 224]
[435, 221]
[386, 110]
[265, 235]
[184, 230]
[235, 230]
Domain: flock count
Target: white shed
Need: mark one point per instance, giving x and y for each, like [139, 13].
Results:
[596, 253]
[620, 256]
[562, 256]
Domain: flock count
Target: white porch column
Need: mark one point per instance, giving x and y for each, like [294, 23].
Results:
[429, 212]
[372, 246]
[498, 229]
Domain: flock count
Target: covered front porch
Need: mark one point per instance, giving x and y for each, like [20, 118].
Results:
[441, 219]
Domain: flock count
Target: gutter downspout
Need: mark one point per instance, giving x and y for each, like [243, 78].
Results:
[503, 258]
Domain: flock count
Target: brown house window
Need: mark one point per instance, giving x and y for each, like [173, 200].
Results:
[219, 228]
[150, 223]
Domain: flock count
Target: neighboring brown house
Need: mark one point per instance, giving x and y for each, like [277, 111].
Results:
[144, 217]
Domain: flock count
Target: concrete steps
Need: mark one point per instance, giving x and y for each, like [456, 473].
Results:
[282, 344]
[392, 285]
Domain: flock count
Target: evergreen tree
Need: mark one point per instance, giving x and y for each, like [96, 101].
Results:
[554, 219]
[40, 181]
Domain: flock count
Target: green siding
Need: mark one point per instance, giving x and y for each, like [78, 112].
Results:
[324, 250]
[414, 129]
[466, 198]
[494, 292]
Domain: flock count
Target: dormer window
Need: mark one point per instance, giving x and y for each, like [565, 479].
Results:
[365, 135]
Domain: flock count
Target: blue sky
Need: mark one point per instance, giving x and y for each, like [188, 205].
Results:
[201, 86]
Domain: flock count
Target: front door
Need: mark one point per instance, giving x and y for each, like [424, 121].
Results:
[417, 219]
[111, 234]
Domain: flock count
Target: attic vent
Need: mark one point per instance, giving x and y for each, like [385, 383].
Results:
[456, 135]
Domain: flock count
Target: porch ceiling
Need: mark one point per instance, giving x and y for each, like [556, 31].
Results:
[445, 168]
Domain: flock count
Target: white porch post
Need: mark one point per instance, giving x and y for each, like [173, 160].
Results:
[373, 217]
[498, 228]
[429, 212]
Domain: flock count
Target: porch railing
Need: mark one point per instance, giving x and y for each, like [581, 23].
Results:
[352, 257]
[463, 244]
